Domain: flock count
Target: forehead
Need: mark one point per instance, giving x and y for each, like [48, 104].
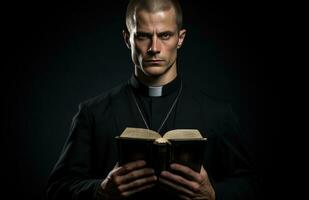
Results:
[159, 21]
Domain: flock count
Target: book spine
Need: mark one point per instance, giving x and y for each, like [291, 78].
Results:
[160, 157]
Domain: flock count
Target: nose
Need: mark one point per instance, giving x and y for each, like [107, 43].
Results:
[154, 46]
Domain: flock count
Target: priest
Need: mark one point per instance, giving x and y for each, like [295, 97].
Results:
[156, 97]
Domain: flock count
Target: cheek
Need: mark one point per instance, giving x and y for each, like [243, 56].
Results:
[138, 50]
[137, 55]
[172, 51]
[171, 47]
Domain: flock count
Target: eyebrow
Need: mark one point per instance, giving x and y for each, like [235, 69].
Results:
[150, 33]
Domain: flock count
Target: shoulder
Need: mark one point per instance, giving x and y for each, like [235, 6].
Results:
[102, 101]
[202, 97]
[212, 108]
[216, 112]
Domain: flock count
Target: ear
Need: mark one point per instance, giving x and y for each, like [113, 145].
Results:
[181, 38]
[126, 37]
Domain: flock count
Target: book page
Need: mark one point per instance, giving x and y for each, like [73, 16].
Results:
[183, 134]
[140, 133]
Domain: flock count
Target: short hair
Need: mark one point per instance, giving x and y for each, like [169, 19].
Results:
[152, 6]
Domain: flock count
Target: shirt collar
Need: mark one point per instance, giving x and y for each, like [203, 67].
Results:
[157, 91]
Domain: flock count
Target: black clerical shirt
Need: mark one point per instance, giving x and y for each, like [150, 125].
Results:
[90, 151]
[158, 110]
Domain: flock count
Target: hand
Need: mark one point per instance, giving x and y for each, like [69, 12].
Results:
[126, 180]
[194, 186]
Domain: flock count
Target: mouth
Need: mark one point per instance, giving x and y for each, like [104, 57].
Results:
[153, 61]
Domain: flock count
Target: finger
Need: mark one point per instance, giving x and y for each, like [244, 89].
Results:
[129, 193]
[191, 174]
[128, 167]
[138, 183]
[179, 180]
[175, 187]
[136, 174]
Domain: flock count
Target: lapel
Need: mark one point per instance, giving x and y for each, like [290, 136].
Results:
[189, 112]
[125, 111]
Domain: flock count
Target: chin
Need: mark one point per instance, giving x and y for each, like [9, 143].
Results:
[154, 71]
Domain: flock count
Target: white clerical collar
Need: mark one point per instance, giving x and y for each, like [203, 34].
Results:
[155, 91]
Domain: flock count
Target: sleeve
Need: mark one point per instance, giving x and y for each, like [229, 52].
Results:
[235, 177]
[72, 176]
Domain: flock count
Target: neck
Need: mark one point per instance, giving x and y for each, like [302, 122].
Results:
[155, 81]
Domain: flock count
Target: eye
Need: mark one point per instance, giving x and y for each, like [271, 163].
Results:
[165, 36]
[141, 36]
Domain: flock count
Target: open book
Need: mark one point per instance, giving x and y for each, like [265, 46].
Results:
[183, 146]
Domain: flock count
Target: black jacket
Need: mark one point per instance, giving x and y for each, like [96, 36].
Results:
[90, 151]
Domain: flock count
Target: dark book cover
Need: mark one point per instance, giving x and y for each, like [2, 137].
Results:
[159, 156]
[188, 152]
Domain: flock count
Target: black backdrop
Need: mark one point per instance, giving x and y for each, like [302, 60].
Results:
[57, 55]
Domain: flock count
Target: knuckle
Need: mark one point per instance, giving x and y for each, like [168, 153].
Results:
[200, 179]
[134, 174]
[180, 179]
[186, 170]
[195, 187]
[126, 168]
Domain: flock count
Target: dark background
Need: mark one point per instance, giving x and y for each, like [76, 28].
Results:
[57, 55]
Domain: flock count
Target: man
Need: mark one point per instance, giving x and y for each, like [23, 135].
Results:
[155, 98]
